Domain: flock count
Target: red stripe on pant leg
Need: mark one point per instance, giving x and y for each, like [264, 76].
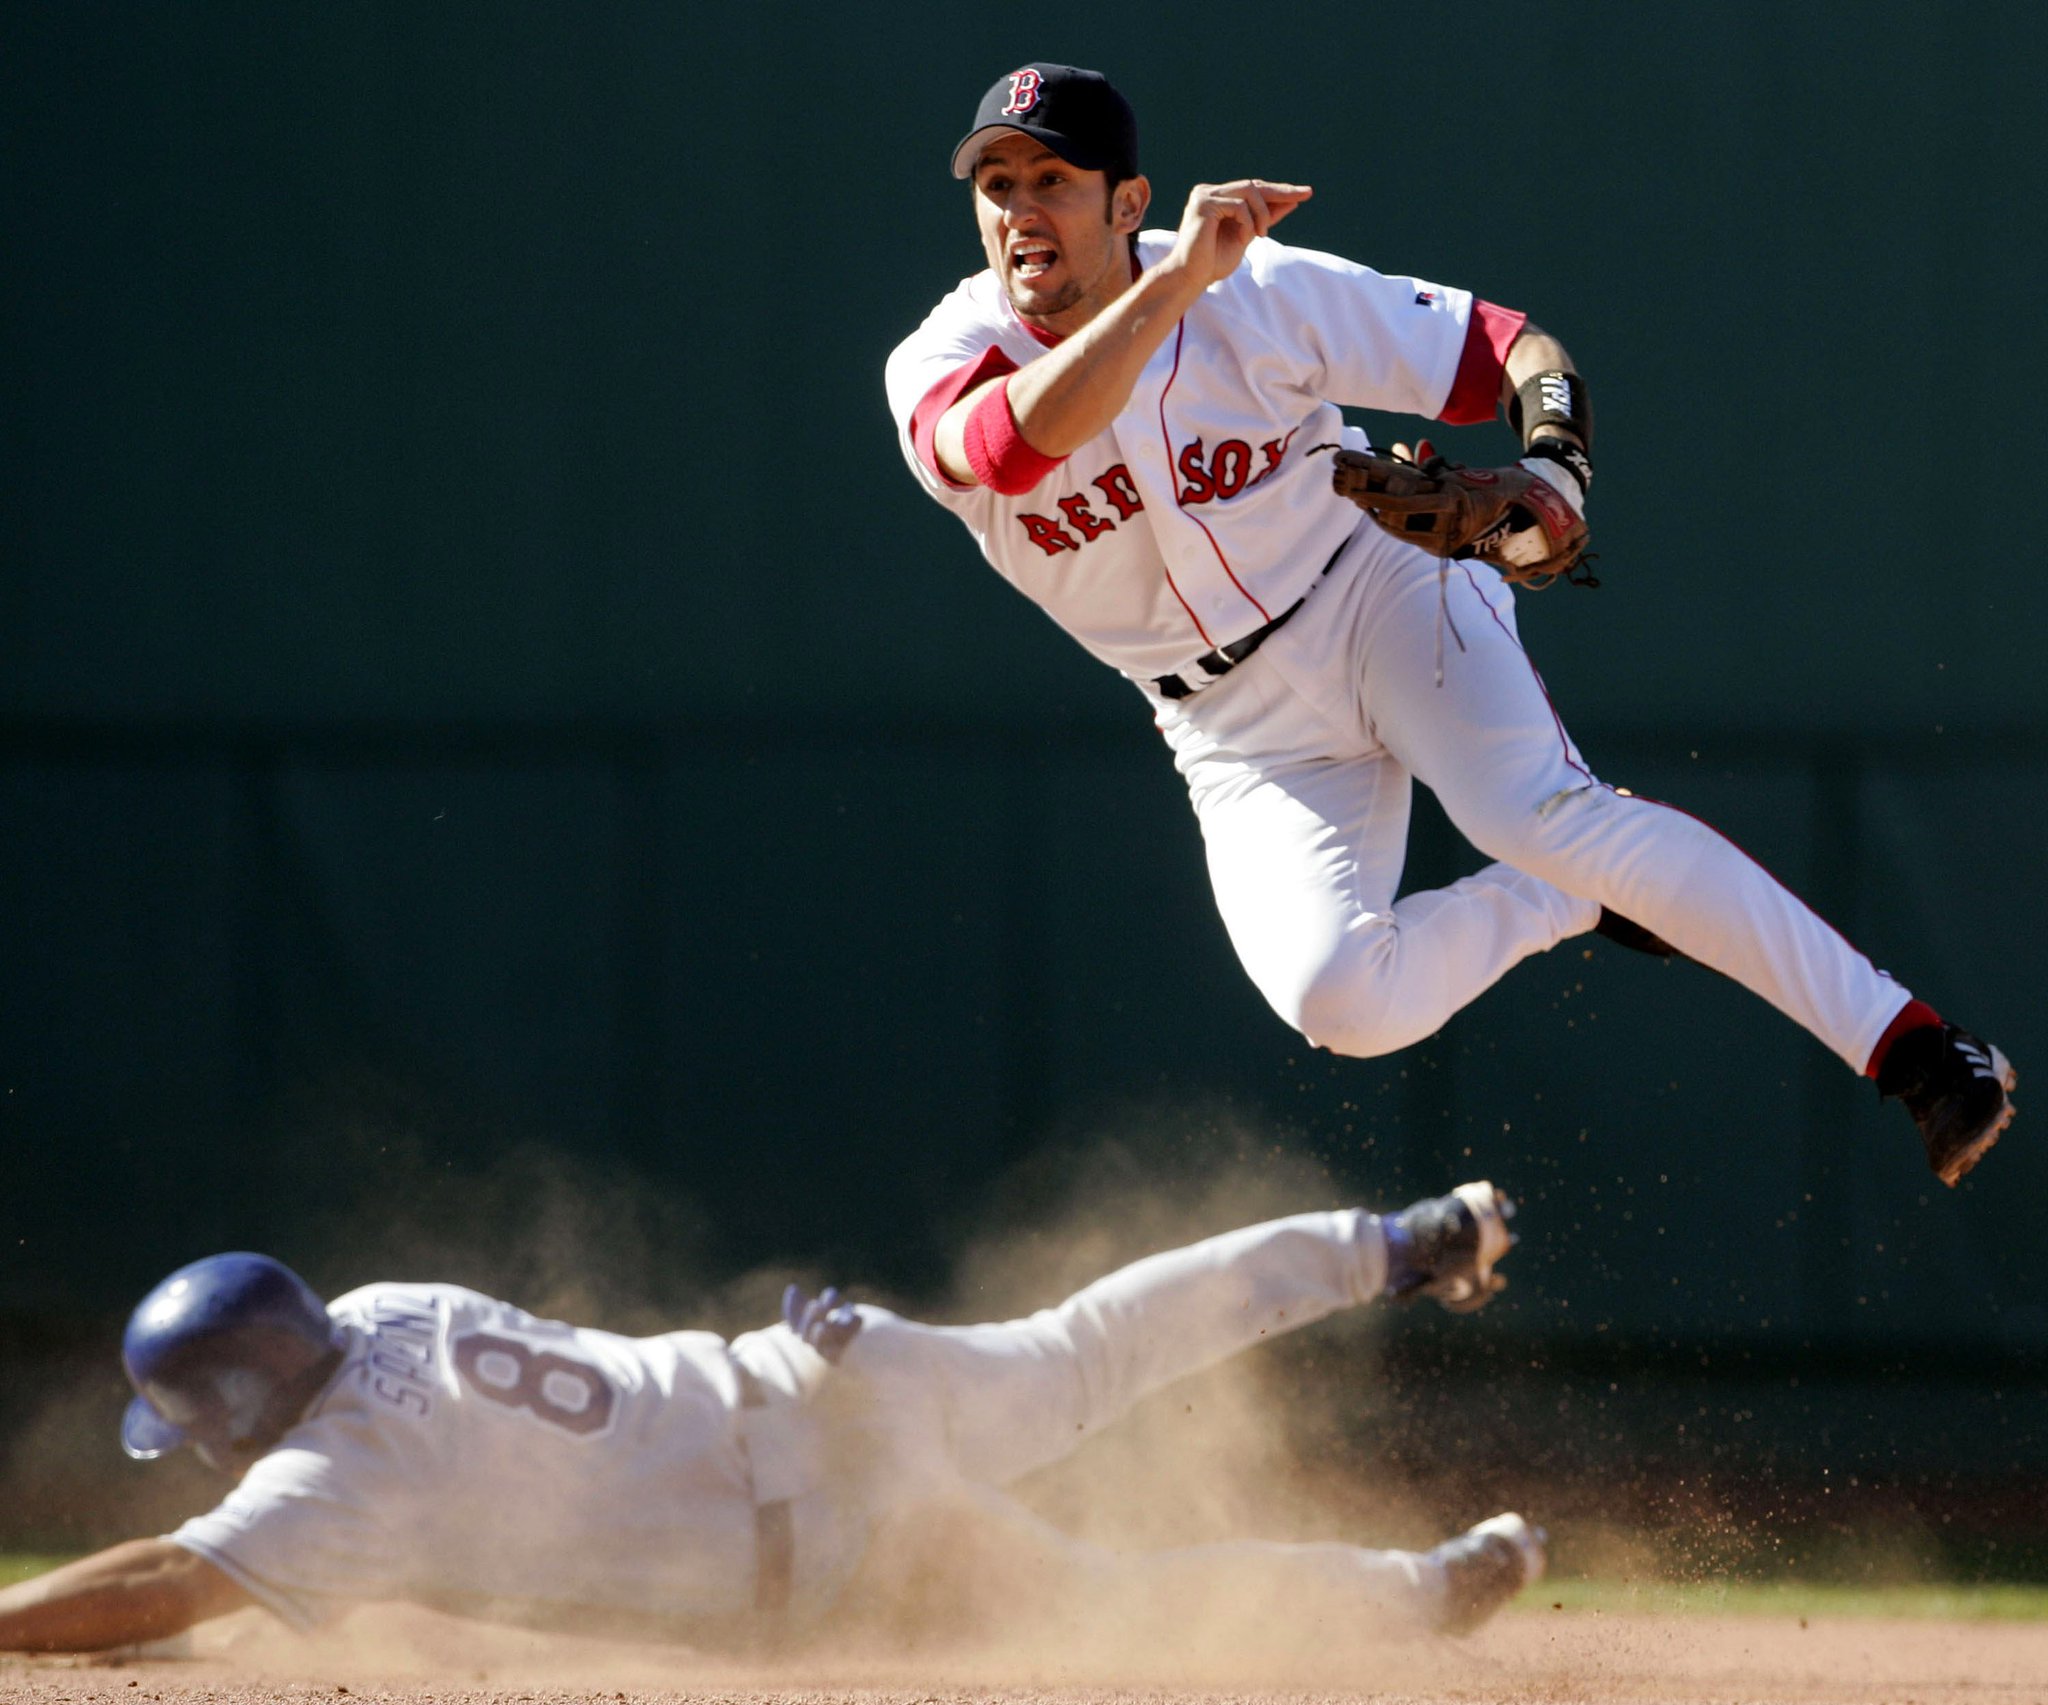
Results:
[1563, 739]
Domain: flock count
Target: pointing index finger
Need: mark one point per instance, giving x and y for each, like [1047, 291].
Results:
[1279, 199]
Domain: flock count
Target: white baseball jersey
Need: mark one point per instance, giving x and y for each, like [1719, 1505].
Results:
[1205, 509]
[473, 1458]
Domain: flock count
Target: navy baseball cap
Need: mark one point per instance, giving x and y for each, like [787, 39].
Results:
[1077, 114]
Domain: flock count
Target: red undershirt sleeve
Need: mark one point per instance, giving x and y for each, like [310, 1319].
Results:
[924, 419]
[1475, 392]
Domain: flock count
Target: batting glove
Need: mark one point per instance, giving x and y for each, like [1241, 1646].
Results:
[827, 1322]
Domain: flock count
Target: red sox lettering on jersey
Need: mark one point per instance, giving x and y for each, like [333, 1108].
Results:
[1205, 508]
[1221, 473]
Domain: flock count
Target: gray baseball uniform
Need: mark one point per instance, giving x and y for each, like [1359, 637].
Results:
[471, 1457]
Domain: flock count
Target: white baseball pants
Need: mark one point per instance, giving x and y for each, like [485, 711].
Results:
[966, 1410]
[1298, 765]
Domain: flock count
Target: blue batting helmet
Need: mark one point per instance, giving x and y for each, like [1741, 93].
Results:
[225, 1355]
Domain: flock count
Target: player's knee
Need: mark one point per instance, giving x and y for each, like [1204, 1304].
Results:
[1347, 1002]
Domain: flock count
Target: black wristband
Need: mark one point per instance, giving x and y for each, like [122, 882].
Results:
[1567, 456]
[1552, 399]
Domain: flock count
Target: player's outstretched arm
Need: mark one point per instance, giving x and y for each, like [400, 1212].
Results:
[147, 1589]
[1067, 396]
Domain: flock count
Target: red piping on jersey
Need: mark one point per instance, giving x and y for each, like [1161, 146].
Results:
[1180, 333]
[1173, 476]
[1679, 810]
[924, 419]
[1475, 392]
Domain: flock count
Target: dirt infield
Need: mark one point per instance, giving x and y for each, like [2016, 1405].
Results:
[1533, 1654]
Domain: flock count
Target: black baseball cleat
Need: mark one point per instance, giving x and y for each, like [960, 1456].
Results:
[1626, 932]
[1486, 1566]
[1957, 1087]
[1446, 1246]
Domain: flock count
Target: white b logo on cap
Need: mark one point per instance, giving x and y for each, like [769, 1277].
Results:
[1023, 92]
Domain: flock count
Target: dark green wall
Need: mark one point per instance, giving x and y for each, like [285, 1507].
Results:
[474, 672]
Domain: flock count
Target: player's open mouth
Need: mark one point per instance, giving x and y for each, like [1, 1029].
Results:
[1032, 262]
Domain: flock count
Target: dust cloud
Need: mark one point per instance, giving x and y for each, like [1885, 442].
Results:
[1224, 1456]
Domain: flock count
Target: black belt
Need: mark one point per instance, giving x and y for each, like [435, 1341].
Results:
[774, 1532]
[1213, 665]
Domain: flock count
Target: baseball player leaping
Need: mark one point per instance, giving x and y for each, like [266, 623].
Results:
[1141, 429]
[421, 1442]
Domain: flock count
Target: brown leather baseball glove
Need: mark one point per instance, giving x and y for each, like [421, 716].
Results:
[1509, 517]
